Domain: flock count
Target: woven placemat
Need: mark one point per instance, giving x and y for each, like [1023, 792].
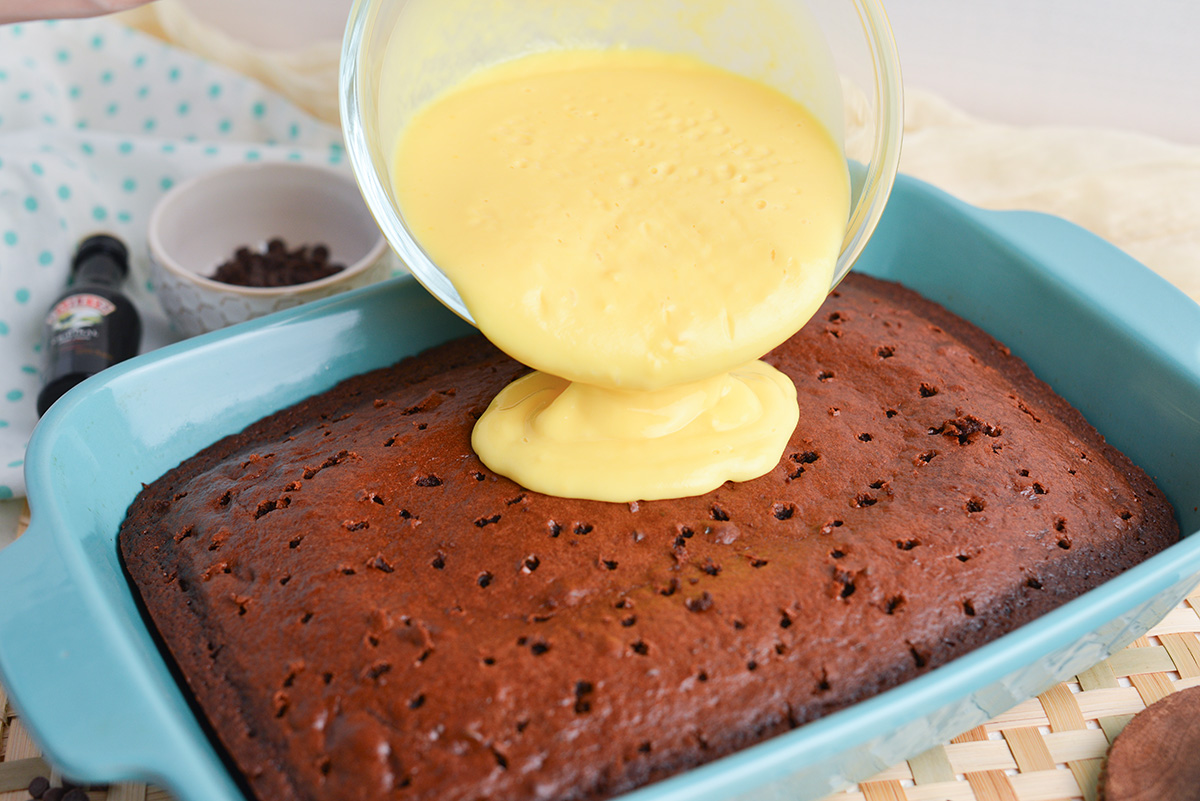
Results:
[1049, 748]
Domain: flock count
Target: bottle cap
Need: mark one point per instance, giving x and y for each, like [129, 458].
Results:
[102, 245]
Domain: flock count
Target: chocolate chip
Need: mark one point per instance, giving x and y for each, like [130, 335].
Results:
[277, 266]
[39, 786]
[54, 794]
[75, 794]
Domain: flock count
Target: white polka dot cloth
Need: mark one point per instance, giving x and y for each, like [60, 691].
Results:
[96, 122]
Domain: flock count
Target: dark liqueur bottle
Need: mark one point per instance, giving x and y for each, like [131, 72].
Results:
[92, 325]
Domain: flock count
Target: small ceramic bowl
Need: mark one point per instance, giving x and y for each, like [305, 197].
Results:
[201, 222]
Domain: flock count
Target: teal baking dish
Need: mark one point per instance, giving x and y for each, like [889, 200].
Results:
[80, 665]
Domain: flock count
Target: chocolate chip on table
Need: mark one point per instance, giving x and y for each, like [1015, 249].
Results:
[277, 265]
[38, 787]
[54, 794]
[75, 794]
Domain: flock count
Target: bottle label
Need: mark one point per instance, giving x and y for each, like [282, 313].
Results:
[77, 318]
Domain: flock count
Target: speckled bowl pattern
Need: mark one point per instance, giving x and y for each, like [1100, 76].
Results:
[201, 222]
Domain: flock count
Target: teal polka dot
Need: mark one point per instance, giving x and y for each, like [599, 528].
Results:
[166, 183]
[3, 424]
[81, 124]
[106, 76]
[36, 168]
[214, 91]
[64, 192]
[3, 75]
[125, 148]
[31, 203]
[14, 395]
[111, 109]
[183, 108]
[150, 124]
[140, 60]
[49, 119]
[45, 258]
[16, 463]
[10, 238]
[124, 216]
[149, 285]
[294, 156]
[3, 328]
[17, 30]
[99, 213]
[24, 96]
[22, 295]
[74, 92]
[173, 74]
[6, 493]
[211, 150]
[87, 148]
[143, 91]
[129, 185]
[63, 56]
[224, 126]
[97, 42]
[294, 130]
[168, 147]
[253, 155]
[259, 109]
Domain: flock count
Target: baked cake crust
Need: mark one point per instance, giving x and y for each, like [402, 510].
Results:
[362, 610]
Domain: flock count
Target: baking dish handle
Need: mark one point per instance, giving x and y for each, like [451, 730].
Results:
[81, 687]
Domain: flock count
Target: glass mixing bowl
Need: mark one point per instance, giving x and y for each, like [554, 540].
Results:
[836, 56]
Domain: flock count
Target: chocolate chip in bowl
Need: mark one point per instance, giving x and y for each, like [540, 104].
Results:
[276, 265]
[244, 241]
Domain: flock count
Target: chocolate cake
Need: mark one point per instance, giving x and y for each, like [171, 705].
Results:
[363, 610]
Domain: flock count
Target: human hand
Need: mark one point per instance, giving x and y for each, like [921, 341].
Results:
[24, 10]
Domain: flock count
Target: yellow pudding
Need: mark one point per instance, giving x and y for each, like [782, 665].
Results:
[638, 225]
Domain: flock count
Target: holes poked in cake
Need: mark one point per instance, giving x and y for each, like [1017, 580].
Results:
[530, 563]
[584, 691]
[554, 528]
[333, 461]
[268, 506]
[484, 579]
[582, 529]
[640, 647]
[481, 522]
[844, 583]
[700, 603]
[925, 458]
[908, 543]
[1124, 514]
[280, 703]
[830, 526]
[890, 413]
[439, 561]
[378, 562]
[629, 621]
[966, 428]
[717, 512]
[927, 390]
[975, 504]
[430, 480]
[365, 495]
[784, 511]
[919, 657]
[968, 607]
[885, 351]
[802, 459]
[837, 317]
[608, 564]
[825, 375]
[864, 499]
[893, 603]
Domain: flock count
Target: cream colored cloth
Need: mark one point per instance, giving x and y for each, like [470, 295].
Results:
[1138, 192]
